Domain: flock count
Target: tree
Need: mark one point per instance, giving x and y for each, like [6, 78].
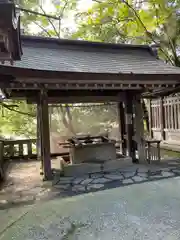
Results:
[156, 22]
[46, 20]
[18, 117]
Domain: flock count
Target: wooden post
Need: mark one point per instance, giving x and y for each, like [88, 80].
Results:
[139, 125]
[162, 119]
[122, 127]
[29, 147]
[39, 139]
[150, 118]
[45, 138]
[129, 125]
[21, 152]
[158, 151]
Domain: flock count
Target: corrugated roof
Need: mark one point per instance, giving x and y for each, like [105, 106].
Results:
[82, 56]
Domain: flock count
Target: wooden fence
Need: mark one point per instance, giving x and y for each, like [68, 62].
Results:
[164, 118]
[19, 149]
[16, 149]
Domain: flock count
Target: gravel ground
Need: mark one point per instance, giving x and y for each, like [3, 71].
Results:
[140, 202]
[149, 210]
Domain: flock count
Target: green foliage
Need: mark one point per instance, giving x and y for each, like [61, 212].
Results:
[157, 21]
[36, 24]
[21, 120]
[113, 21]
[18, 119]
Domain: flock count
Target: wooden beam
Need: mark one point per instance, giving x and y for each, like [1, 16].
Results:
[86, 85]
[44, 121]
[77, 99]
[58, 76]
[162, 92]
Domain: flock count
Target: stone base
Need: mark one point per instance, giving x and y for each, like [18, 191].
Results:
[155, 161]
[117, 164]
[99, 152]
[87, 168]
[80, 169]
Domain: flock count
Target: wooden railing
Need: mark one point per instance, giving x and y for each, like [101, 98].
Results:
[22, 149]
[16, 149]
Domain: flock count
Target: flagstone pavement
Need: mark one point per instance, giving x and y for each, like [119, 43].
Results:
[24, 185]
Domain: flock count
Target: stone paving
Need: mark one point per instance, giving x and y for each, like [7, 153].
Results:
[24, 185]
[135, 174]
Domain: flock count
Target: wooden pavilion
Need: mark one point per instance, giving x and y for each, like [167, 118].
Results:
[10, 44]
[70, 71]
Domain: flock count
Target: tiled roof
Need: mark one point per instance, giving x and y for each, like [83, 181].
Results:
[81, 56]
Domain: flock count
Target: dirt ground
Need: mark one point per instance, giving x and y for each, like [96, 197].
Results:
[23, 184]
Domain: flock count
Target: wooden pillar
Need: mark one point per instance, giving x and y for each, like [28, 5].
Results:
[129, 125]
[45, 136]
[162, 119]
[150, 118]
[122, 127]
[39, 139]
[139, 125]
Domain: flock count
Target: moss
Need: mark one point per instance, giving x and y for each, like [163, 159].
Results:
[169, 153]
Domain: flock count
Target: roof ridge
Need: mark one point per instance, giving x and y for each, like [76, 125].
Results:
[84, 43]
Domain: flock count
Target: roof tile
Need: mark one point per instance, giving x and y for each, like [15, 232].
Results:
[86, 58]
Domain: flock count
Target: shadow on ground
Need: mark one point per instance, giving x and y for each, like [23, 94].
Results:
[135, 174]
[24, 185]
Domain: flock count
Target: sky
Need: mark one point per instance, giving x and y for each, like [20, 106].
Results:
[68, 22]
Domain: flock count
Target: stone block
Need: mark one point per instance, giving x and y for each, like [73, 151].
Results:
[99, 152]
[81, 169]
[114, 176]
[139, 179]
[127, 181]
[94, 186]
[167, 174]
[114, 164]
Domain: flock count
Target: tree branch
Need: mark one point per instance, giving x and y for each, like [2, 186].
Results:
[44, 30]
[145, 29]
[37, 13]
[149, 34]
[17, 111]
[137, 17]
[171, 44]
[49, 19]
[61, 16]
[170, 41]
